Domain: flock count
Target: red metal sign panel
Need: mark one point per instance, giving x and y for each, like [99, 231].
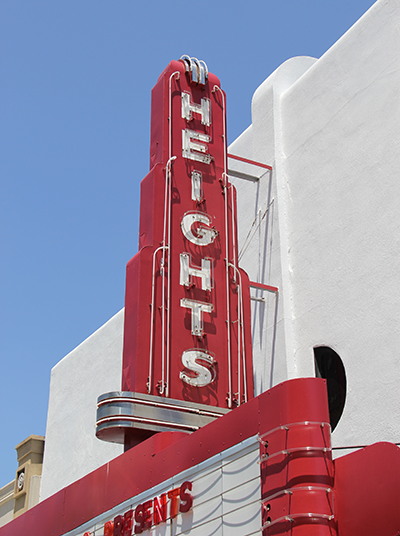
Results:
[151, 513]
[187, 310]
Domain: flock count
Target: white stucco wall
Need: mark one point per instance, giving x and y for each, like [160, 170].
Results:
[93, 368]
[262, 206]
[331, 130]
[344, 226]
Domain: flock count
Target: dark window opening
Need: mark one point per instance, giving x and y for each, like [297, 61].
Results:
[329, 366]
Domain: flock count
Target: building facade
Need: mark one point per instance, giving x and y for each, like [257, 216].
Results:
[318, 226]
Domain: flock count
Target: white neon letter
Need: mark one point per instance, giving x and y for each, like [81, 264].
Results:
[187, 272]
[193, 149]
[197, 309]
[204, 109]
[201, 375]
[197, 190]
[205, 235]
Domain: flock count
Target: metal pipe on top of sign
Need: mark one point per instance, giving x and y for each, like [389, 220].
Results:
[187, 338]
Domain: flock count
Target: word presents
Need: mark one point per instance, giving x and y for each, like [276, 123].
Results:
[152, 512]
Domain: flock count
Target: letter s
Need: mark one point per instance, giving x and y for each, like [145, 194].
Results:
[108, 528]
[186, 497]
[139, 515]
[201, 375]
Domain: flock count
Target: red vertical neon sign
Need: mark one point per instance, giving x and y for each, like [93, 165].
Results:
[187, 307]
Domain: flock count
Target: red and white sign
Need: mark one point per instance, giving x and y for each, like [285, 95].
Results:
[150, 513]
[187, 310]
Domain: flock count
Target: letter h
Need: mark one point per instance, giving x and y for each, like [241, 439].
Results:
[187, 272]
[204, 109]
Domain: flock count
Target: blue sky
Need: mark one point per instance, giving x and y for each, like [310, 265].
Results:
[75, 83]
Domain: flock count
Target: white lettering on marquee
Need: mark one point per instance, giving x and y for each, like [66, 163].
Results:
[187, 272]
[204, 109]
[197, 309]
[203, 375]
[205, 235]
[197, 189]
[196, 227]
[193, 150]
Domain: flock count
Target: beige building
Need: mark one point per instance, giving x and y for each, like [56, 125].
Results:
[22, 493]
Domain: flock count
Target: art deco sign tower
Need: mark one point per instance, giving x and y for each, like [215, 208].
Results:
[187, 342]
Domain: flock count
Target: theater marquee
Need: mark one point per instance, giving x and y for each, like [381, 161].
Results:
[187, 355]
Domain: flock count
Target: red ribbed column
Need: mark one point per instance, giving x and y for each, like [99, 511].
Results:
[296, 465]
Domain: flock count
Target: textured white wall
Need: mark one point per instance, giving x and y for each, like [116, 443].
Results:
[331, 130]
[262, 206]
[93, 368]
[341, 159]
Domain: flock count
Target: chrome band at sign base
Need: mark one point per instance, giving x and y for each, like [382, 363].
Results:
[121, 411]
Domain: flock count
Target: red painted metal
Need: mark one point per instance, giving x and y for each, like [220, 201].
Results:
[297, 480]
[300, 468]
[231, 377]
[367, 487]
[165, 455]
[261, 286]
[366, 494]
[247, 161]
